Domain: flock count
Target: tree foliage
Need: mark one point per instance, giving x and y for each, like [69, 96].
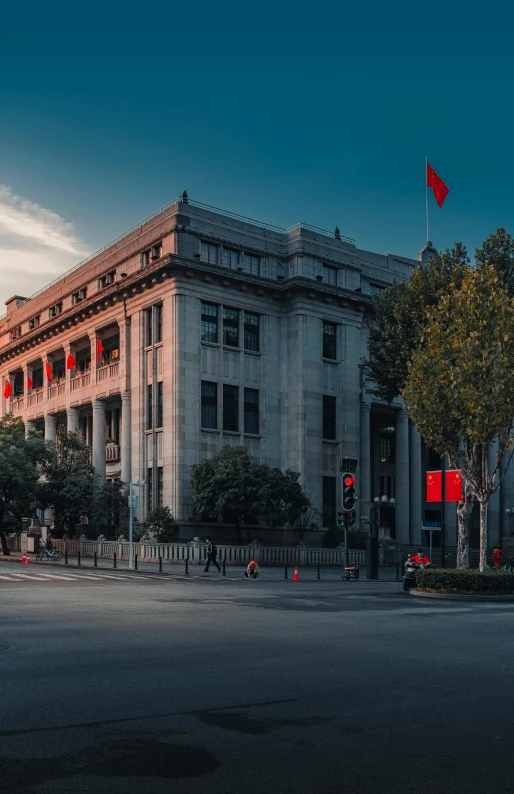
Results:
[160, 526]
[110, 507]
[458, 389]
[20, 459]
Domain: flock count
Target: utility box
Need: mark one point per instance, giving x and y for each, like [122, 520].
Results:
[33, 539]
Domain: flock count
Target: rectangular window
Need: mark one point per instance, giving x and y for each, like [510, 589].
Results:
[329, 417]
[15, 333]
[329, 501]
[156, 251]
[55, 310]
[160, 486]
[230, 258]
[34, 322]
[330, 275]
[209, 253]
[252, 264]
[148, 327]
[107, 280]
[230, 407]
[145, 257]
[160, 411]
[209, 405]
[149, 407]
[149, 489]
[251, 329]
[230, 327]
[251, 411]
[158, 323]
[375, 290]
[79, 296]
[209, 330]
[329, 340]
[387, 442]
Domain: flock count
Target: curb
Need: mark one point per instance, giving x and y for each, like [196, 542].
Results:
[446, 596]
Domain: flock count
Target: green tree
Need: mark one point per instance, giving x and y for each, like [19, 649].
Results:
[20, 459]
[160, 526]
[458, 389]
[68, 482]
[110, 507]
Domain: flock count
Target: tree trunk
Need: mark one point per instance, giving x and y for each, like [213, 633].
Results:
[483, 535]
[464, 510]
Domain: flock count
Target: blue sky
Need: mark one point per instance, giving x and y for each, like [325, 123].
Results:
[279, 112]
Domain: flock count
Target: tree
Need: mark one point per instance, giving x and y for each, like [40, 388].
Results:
[160, 526]
[20, 458]
[458, 389]
[110, 506]
[68, 481]
[232, 483]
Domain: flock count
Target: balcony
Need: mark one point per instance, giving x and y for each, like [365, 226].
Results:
[81, 380]
[56, 390]
[36, 396]
[17, 405]
[112, 452]
[111, 370]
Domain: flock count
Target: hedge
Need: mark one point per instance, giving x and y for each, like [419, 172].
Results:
[464, 582]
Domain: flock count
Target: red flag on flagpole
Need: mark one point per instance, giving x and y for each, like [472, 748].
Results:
[7, 390]
[29, 383]
[49, 373]
[99, 348]
[70, 361]
[434, 486]
[453, 486]
[437, 185]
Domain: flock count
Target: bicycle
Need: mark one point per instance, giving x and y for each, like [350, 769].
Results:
[44, 553]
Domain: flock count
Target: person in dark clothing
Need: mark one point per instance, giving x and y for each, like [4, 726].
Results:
[212, 553]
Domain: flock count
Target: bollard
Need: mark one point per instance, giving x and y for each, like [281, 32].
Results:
[160, 564]
[319, 571]
[285, 571]
[96, 561]
[224, 571]
[78, 557]
[187, 566]
[66, 552]
[135, 562]
[114, 560]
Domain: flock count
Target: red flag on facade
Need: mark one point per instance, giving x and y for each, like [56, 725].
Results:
[453, 491]
[437, 185]
[70, 361]
[49, 373]
[99, 348]
[7, 390]
[434, 486]
[29, 383]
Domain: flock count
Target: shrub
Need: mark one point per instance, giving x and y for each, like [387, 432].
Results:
[464, 582]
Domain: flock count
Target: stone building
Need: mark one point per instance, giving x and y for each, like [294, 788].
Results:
[199, 328]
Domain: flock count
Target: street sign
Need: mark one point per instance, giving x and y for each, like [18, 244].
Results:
[432, 526]
[133, 501]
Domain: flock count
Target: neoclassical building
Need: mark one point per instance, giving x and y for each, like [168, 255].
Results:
[199, 328]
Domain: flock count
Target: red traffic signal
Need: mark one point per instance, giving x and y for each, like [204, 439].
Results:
[348, 491]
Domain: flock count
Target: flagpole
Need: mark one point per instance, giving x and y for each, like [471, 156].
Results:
[426, 193]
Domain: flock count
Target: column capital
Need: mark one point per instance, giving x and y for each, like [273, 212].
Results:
[365, 406]
[402, 415]
[98, 405]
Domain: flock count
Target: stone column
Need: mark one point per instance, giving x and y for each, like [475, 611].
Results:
[493, 508]
[29, 426]
[402, 477]
[50, 427]
[364, 470]
[73, 416]
[99, 438]
[126, 440]
[415, 475]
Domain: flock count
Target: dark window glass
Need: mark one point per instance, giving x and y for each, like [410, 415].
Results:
[230, 402]
[209, 404]
[252, 264]
[210, 253]
[251, 323]
[149, 408]
[149, 489]
[387, 442]
[148, 327]
[160, 412]
[375, 290]
[251, 411]
[329, 275]
[160, 487]
[329, 501]
[329, 417]
[230, 258]
[158, 323]
[231, 327]
[329, 340]
[209, 322]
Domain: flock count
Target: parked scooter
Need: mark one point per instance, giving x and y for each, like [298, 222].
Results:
[409, 576]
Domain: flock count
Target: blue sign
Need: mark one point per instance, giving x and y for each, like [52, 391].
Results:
[431, 526]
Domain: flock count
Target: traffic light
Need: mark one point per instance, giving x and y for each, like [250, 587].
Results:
[348, 492]
[351, 519]
[347, 519]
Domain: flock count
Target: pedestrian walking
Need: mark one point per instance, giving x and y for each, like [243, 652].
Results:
[496, 555]
[212, 553]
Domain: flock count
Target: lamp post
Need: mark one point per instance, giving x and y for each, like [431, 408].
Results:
[133, 502]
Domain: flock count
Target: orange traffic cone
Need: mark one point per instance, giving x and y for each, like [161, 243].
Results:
[23, 559]
[27, 561]
[296, 577]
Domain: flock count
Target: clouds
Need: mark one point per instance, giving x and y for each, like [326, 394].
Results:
[36, 245]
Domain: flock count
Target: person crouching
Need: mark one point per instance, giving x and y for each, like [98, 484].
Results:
[252, 571]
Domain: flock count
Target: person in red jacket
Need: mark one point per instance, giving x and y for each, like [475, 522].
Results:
[420, 558]
[496, 555]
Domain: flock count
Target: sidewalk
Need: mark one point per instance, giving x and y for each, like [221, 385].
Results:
[196, 571]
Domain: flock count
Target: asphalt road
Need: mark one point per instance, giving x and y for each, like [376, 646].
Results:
[140, 683]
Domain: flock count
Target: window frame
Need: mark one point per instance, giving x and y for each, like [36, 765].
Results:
[209, 402]
[55, 310]
[149, 406]
[230, 408]
[211, 248]
[250, 411]
[34, 322]
[231, 323]
[330, 272]
[250, 261]
[230, 252]
[248, 330]
[204, 320]
[329, 338]
[160, 405]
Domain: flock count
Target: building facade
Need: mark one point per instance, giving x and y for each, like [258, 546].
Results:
[199, 329]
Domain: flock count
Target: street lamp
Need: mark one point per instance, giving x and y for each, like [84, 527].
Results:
[133, 502]
[382, 500]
